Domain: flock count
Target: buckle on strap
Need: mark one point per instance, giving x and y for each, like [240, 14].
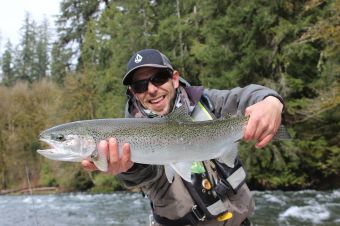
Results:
[222, 188]
[198, 215]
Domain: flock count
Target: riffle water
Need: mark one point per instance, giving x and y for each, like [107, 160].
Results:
[273, 208]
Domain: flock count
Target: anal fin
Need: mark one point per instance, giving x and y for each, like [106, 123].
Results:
[229, 156]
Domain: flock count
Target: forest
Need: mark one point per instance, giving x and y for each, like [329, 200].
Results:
[290, 46]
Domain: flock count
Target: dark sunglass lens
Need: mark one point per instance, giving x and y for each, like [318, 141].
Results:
[160, 78]
[140, 86]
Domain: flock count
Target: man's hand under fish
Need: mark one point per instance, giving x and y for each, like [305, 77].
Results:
[264, 121]
[116, 164]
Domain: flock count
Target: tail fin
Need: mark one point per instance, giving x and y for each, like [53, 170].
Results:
[282, 134]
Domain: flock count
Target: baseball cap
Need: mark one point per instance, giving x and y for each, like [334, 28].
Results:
[146, 58]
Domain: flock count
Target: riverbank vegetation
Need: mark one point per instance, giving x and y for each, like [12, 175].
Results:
[290, 46]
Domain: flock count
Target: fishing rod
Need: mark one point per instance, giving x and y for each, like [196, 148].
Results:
[31, 194]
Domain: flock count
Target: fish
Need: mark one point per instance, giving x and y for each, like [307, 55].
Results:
[175, 141]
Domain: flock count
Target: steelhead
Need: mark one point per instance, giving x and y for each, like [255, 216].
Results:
[174, 141]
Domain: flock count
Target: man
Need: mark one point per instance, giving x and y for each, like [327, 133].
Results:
[218, 194]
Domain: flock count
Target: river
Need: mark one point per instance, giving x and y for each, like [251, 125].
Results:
[273, 208]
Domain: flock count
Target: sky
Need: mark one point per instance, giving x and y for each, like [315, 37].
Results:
[12, 15]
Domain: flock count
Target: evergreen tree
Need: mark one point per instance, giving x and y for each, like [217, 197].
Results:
[26, 58]
[60, 65]
[42, 51]
[7, 65]
[71, 24]
[90, 48]
[123, 28]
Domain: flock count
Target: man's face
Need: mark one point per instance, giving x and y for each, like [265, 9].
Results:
[158, 99]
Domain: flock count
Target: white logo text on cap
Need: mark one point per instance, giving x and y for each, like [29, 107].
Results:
[138, 58]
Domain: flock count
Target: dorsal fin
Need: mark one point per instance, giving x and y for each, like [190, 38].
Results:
[179, 114]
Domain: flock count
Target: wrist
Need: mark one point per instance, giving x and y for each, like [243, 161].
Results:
[275, 101]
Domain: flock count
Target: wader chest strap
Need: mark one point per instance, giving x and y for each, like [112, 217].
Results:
[191, 218]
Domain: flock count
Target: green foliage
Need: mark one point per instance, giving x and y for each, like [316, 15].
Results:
[79, 97]
[47, 177]
[79, 182]
[24, 113]
[7, 69]
[106, 183]
[59, 63]
[41, 49]
[274, 167]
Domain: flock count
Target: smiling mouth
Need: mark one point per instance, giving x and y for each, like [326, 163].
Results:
[157, 100]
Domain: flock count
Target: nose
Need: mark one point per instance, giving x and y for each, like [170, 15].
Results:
[152, 88]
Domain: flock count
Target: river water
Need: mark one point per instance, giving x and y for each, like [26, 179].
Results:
[273, 208]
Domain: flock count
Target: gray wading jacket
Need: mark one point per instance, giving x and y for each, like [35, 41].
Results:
[172, 200]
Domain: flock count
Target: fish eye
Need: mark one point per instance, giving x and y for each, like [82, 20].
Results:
[59, 137]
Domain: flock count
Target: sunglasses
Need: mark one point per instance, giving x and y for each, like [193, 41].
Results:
[157, 79]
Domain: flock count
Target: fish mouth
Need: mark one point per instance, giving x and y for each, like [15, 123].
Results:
[45, 151]
[57, 154]
[47, 141]
[63, 150]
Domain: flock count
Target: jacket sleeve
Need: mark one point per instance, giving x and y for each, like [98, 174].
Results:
[236, 100]
[140, 175]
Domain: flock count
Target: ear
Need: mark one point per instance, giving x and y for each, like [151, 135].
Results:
[130, 90]
[175, 79]
[133, 93]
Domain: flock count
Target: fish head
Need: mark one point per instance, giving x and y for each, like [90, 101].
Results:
[67, 144]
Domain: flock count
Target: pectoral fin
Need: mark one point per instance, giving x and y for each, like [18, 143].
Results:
[100, 160]
[169, 173]
[183, 169]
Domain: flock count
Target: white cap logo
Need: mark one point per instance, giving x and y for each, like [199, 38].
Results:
[138, 58]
